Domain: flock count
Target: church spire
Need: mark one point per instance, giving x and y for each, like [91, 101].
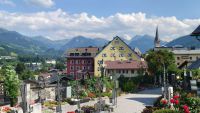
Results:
[157, 40]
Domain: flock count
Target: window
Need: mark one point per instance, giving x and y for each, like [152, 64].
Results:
[71, 67]
[71, 61]
[108, 71]
[190, 58]
[72, 73]
[126, 71]
[71, 54]
[83, 61]
[121, 48]
[76, 54]
[178, 63]
[121, 55]
[104, 55]
[178, 58]
[129, 54]
[79, 61]
[89, 62]
[132, 71]
[112, 48]
[100, 62]
[77, 67]
[123, 71]
[83, 67]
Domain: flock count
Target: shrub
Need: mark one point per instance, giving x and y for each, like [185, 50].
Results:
[166, 111]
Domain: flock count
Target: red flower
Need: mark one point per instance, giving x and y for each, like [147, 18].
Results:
[176, 97]
[176, 102]
[163, 101]
[172, 100]
[185, 107]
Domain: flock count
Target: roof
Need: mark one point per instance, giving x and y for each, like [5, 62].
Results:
[196, 32]
[196, 51]
[127, 64]
[92, 50]
[195, 65]
[84, 49]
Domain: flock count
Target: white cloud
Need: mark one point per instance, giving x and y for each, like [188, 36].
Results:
[41, 3]
[59, 24]
[7, 2]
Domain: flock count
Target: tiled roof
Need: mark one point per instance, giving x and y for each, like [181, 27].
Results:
[195, 65]
[84, 49]
[196, 31]
[132, 64]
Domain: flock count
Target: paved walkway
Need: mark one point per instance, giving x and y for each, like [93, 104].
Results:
[135, 103]
[129, 103]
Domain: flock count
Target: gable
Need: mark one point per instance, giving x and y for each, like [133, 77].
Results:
[118, 48]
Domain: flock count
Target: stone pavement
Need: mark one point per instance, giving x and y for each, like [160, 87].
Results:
[135, 103]
[128, 103]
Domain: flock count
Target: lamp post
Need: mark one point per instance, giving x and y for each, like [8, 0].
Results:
[164, 81]
[99, 85]
[59, 110]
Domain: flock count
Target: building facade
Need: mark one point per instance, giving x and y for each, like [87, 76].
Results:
[80, 62]
[115, 50]
[126, 68]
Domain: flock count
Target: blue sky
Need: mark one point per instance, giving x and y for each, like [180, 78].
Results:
[100, 18]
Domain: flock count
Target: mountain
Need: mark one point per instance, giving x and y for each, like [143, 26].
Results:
[144, 43]
[56, 44]
[185, 41]
[19, 43]
[81, 41]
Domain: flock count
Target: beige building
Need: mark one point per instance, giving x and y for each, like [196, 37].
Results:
[185, 57]
[126, 68]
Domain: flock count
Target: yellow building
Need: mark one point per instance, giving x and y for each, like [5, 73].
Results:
[115, 50]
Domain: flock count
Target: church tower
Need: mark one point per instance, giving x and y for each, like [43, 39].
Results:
[157, 40]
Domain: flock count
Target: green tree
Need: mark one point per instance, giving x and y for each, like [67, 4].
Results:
[20, 68]
[12, 83]
[60, 66]
[157, 60]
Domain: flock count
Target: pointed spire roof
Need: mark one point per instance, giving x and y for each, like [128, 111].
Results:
[157, 36]
[157, 40]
